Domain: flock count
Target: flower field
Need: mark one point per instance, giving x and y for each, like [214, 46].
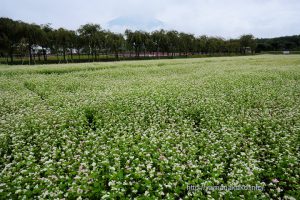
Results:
[148, 129]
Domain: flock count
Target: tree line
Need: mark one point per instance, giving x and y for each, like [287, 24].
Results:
[32, 42]
[289, 43]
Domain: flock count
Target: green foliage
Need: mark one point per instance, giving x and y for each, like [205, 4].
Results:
[279, 44]
[19, 39]
[247, 41]
[148, 129]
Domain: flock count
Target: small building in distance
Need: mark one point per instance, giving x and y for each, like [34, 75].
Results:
[285, 52]
[36, 49]
[246, 50]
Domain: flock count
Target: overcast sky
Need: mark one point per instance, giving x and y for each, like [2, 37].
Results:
[227, 18]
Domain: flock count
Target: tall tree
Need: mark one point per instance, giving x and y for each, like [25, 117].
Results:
[46, 39]
[116, 42]
[159, 40]
[63, 40]
[173, 41]
[33, 35]
[233, 46]
[90, 36]
[186, 43]
[135, 41]
[247, 41]
[78, 44]
[9, 36]
[71, 42]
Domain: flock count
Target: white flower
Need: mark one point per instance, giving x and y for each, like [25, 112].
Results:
[111, 183]
[79, 191]
[106, 196]
[18, 191]
[275, 180]
[149, 166]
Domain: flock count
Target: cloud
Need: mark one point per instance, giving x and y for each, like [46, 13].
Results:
[231, 18]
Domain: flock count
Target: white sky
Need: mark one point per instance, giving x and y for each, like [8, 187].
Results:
[227, 18]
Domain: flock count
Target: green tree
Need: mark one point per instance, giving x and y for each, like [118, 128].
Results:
[135, 40]
[186, 43]
[160, 41]
[116, 42]
[233, 46]
[63, 39]
[247, 41]
[173, 41]
[78, 43]
[90, 36]
[9, 36]
[46, 41]
[33, 35]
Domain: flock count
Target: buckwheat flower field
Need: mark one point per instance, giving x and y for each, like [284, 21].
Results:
[149, 129]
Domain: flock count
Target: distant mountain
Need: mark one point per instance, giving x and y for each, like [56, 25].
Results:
[291, 43]
[134, 23]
